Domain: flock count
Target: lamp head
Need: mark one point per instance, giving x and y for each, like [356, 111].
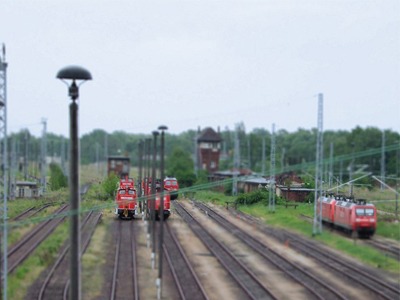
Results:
[74, 73]
[162, 127]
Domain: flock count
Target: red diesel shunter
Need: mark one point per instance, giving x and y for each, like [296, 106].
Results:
[126, 199]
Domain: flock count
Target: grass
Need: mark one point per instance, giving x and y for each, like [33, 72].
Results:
[25, 275]
[93, 261]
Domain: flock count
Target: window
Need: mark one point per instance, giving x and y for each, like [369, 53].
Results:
[360, 212]
[369, 212]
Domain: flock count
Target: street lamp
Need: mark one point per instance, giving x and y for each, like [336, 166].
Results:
[162, 128]
[146, 181]
[153, 198]
[74, 73]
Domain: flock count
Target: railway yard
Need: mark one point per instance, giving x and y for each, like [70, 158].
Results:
[210, 252]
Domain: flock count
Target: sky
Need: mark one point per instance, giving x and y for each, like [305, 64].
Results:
[198, 63]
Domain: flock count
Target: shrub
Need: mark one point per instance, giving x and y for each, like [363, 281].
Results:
[57, 178]
[253, 197]
[110, 185]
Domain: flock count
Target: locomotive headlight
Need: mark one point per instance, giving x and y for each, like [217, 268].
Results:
[372, 220]
[358, 220]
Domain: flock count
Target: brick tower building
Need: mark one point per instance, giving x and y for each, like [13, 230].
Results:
[208, 150]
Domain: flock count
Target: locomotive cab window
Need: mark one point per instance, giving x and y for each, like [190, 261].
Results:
[360, 212]
[122, 192]
[369, 212]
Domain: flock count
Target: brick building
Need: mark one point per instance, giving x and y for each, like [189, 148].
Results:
[208, 150]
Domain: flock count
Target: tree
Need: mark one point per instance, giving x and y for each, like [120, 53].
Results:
[57, 178]
[180, 165]
[110, 185]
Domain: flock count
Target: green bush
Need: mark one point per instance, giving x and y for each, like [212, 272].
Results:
[57, 178]
[110, 185]
[253, 197]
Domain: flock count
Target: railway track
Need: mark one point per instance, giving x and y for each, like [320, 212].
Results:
[125, 278]
[185, 278]
[365, 277]
[24, 247]
[30, 212]
[53, 283]
[388, 249]
[318, 288]
[244, 277]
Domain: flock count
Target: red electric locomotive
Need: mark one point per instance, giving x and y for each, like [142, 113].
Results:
[350, 215]
[126, 199]
[171, 185]
[356, 216]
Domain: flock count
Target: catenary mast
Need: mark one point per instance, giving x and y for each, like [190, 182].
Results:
[4, 170]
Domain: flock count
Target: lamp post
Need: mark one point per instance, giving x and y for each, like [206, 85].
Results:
[146, 185]
[140, 145]
[74, 73]
[162, 128]
[153, 199]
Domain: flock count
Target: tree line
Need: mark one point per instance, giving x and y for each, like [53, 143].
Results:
[361, 146]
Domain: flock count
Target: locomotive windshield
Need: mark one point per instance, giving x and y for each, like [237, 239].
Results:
[360, 211]
[364, 212]
[369, 212]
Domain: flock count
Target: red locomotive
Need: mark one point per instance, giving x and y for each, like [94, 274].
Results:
[167, 205]
[147, 185]
[126, 199]
[171, 185]
[350, 215]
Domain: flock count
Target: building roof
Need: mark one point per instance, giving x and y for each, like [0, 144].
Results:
[116, 157]
[26, 183]
[209, 135]
[294, 189]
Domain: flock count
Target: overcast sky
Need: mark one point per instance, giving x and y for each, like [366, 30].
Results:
[187, 64]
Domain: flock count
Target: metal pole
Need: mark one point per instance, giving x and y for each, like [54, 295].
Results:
[153, 200]
[74, 73]
[75, 266]
[140, 176]
[160, 256]
[317, 223]
[3, 134]
[146, 186]
[272, 172]
[44, 154]
[351, 169]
